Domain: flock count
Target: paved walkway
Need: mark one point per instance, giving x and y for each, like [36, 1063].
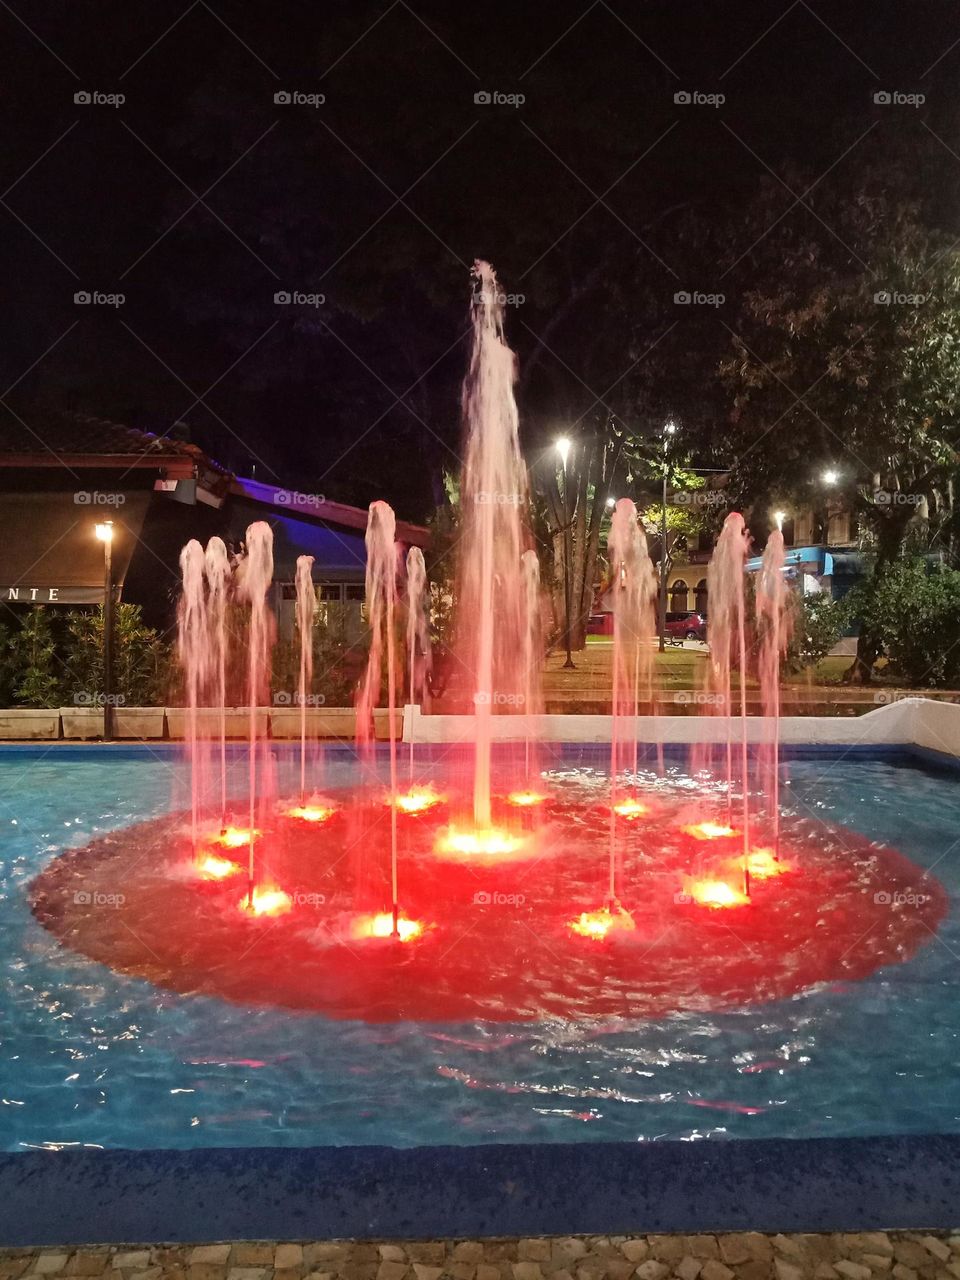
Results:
[747, 1256]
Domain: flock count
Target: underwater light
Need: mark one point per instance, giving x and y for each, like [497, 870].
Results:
[716, 893]
[525, 798]
[233, 837]
[491, 842]
[381, 926]
[309, 812]
[764, 863]
[266, 901]
[709, 831]
[630, 808]
[213, 867]
[597, 924]
[417, 800]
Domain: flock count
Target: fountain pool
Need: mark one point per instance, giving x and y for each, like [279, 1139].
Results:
[738, 1028]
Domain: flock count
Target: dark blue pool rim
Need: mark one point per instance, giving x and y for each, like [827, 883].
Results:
[819, 1184]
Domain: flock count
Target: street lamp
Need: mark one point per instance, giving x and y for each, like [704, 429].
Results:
[563, 449]
[104, 532]
[669, 429]
[830, 476]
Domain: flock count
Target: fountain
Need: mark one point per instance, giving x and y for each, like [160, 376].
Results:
[500, 920]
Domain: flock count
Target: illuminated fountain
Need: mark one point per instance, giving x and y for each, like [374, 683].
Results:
[617, 887]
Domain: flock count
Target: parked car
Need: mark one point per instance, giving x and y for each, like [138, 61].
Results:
[687, 625]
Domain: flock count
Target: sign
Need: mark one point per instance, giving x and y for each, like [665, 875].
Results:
[23, 594]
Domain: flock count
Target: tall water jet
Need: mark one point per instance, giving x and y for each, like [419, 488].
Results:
[532, 655]
[255, 574]
[217, 569]
[493, 500]
[381, 592]
[633, 592]
[305, 611]
[418, 629]
[773, 621]
[193, 651]
[726, 635]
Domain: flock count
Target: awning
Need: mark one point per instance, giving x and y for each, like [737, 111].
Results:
[339, 555]
[49, 553]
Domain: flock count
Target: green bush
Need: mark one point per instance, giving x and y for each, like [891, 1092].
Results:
[915, 608]
[817, 624]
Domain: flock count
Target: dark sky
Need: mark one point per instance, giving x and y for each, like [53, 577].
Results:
[200, 197]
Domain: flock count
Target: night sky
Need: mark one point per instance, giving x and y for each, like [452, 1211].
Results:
[200, 197]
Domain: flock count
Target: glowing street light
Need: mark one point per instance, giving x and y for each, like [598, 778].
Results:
[830, 476]
[563, 449]
[104, 532]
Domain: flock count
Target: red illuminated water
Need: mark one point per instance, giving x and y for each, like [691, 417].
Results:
[490, 936]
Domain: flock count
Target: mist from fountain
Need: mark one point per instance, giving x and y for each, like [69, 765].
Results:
[194, 659]
[305, 613]
[219, 581]
[773, 621]
[254, 577]
[418, 630]
[493, 499]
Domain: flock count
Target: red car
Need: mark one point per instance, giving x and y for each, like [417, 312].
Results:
[688, 625]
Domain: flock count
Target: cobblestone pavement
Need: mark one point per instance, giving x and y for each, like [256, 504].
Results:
[747, 1256]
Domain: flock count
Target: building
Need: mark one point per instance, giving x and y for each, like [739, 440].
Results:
[62, 474]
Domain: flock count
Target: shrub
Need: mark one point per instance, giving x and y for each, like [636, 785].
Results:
[915, 608]
[818, 623]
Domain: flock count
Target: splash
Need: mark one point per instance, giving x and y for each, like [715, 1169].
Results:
[306, 611]
[255, 574]
[773, 621]
[418, 629]
[194, 654]
[218, 574]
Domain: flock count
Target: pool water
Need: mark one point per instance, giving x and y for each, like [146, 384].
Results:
[91, 1057]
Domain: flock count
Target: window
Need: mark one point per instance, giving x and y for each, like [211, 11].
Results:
[678, 596]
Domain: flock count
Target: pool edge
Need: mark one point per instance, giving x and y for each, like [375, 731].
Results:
[768, 1185]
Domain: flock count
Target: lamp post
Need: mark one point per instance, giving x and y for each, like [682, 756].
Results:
[104, 532]
[669, 429]
[563, 449]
